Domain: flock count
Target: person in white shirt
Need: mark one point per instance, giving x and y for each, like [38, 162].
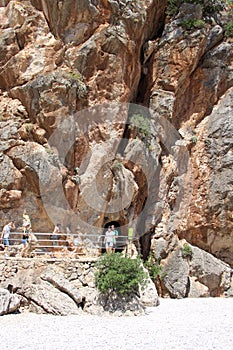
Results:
[109, 240]
[6, 233]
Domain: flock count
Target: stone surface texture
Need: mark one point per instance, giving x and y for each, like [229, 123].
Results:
[73, 77]
[66, 287]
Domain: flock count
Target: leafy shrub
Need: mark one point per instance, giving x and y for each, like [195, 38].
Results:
[78, 78]
[150, 148]
[228, 28]
[119, 274]
[117, 165]
[208, 6]
[207, 142]
[187, 251]
[141, 123]
[194, 139]
[172, 7]
[211, 6]
[75, 75]
[155, 270]
[193, 23]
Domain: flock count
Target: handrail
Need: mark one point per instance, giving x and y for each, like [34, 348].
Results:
[66, 244]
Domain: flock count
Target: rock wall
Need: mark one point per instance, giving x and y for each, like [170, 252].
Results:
[67, 286]
[188, 271]
[61, 287]
[70, 72]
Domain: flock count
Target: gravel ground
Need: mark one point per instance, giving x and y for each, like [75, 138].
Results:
[184, 324]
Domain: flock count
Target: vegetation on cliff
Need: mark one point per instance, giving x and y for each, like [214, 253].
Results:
[119, 274]
[209, 7]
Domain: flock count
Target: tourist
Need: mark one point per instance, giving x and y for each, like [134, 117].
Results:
[6, 234]
[116, 235]
[26, 231]
[109, 240]
[30, 242]
[55, 235]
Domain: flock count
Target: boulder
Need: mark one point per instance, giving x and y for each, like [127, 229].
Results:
[177, 271]
[49, 299]
[149, 295]
[196, 275]
[210, 271]
[197, 289]
[55, 277]
[8, 302]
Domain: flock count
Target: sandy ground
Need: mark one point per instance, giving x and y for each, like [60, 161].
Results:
[176, 324]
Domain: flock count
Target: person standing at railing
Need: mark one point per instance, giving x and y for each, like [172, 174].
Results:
[116, 235]
[5, 235]
[30, 242]
[109, 240]
[26, 232]
[55, 235]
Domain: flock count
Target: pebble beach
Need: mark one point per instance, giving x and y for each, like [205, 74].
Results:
[185, 324]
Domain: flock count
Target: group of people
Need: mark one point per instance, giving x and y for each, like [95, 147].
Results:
[110, 239]
[26, 236]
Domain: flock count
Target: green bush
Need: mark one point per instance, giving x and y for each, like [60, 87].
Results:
[187, 251]
[193, 23]
[172, 8]
[208, 6]
[141, 123]
[194, 139]
[207, 142]
[228, 29]
[119, 274]
[155, 270]
[117, 165]
[77, 77]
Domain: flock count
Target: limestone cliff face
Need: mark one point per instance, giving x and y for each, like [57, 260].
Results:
[69, 73]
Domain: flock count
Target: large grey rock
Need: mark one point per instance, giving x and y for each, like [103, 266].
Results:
[149, 295]
[61, 283]
[197, 289]
[187, 11]
[215, 36]
[8, 302]
[210, 271]
[200, 275]
[177, 272]
[50, 299]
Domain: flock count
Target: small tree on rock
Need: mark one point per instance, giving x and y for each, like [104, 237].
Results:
[118, 279]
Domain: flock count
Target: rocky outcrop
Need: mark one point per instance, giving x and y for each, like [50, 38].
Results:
[67, 63]
[211, 229]
[70, 73]
[191, 272]
[64, 287]
[9, 303]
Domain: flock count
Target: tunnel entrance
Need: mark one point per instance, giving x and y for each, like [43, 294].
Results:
[120, 238]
